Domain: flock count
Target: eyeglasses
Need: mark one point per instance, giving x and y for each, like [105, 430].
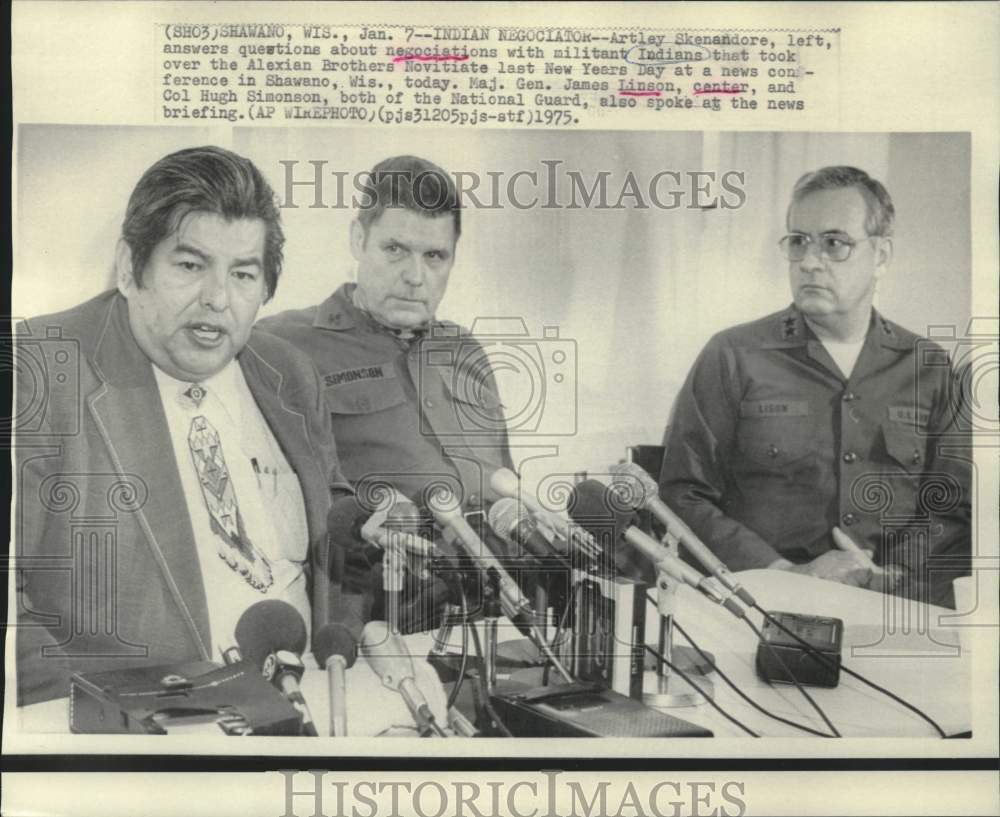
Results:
[832, 246]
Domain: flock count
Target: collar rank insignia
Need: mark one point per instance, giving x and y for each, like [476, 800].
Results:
[790, 327]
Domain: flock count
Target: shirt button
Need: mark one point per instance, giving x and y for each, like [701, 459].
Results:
[428, 402]
[474, 500]
[850, 457]
[848, 519]
[772, 451]
[849, 396]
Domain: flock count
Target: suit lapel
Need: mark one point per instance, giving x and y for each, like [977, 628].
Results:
[289, 428]
[129, 416]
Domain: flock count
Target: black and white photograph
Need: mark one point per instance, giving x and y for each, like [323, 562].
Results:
[339, 436]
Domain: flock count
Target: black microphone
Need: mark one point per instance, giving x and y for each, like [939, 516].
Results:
[272, 636]
[343, 527]
[515, 523]
[639, 489]
[336, 651]
[268, 626]
[387, 655]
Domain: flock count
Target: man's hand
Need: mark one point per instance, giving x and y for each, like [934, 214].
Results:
[885, 579]
[846, 567]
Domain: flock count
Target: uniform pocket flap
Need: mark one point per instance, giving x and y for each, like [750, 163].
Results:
[905, 445]
[365, 397]
[777, 441]
[473, 391]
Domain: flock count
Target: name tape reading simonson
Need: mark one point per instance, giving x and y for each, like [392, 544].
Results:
[301, 74]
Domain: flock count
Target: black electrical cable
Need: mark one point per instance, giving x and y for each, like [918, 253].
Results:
[791, 676]
[819, 656]
[464, 663]
[736, 689]
[708, 698]
[484, 689]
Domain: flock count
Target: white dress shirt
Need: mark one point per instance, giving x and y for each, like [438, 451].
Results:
[267, 493]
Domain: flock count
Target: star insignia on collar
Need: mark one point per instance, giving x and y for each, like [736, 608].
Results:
[790, 327]
[886, 327]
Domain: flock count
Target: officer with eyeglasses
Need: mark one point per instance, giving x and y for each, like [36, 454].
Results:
[825, 439]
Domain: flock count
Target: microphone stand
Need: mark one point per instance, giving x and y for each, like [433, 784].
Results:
[393, 578]
[491, 615]
[670, 690]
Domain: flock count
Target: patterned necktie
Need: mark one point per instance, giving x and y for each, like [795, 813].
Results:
[220, 497]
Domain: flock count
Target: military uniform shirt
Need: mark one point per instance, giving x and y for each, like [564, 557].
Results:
[769, 447]
[413, 413]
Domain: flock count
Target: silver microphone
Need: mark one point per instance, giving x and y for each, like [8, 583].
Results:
[639, 489]
[387, 655]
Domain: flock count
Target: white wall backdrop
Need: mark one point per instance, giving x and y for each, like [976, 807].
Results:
[638, 291]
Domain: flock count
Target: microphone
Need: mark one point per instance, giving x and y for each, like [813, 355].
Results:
[640, 490]
[399, 529]
[681, 571]
[504, 482]
[515, 606]
[336, 651]
[516, 525]
[456, 529]
[349, 523]
[272, 635]
[389, 658]
[268, 626]
[587, 508]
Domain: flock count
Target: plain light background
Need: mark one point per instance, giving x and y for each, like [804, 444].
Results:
[634, 293]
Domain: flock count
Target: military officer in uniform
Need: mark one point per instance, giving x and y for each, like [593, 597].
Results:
[412, 398]
[827, 420]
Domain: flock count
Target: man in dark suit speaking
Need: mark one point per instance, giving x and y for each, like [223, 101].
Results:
[173, 466]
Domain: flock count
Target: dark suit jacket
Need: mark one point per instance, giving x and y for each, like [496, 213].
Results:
[108, 573]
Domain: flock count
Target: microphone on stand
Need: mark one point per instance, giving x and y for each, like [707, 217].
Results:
[639, 489]
[591, 501]
[515, 606]
[389, 658]
[504, 482]
[272, 635]
[515, 524]
[336, 651]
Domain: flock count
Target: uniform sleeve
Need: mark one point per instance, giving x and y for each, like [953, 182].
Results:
[699, 441]
[943, 496]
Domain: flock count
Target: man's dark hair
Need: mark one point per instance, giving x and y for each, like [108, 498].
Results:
[205, 180]
[880, 213]
[413, 184]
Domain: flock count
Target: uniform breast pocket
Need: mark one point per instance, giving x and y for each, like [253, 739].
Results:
[905, 446]
[478, 408]
[365, 398]
[778, 445]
